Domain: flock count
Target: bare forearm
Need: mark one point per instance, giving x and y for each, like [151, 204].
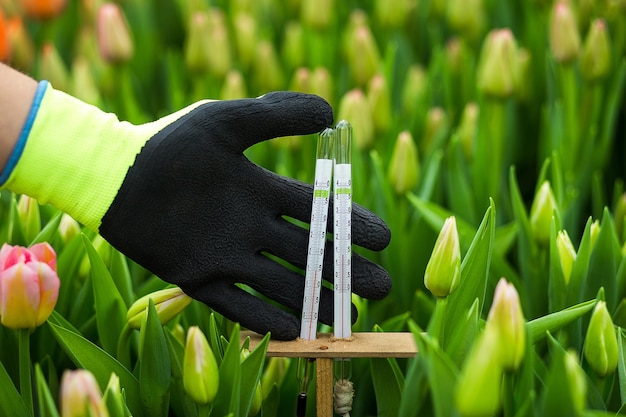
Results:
[16, 95]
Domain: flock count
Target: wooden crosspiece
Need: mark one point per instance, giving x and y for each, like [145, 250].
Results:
[326, 348]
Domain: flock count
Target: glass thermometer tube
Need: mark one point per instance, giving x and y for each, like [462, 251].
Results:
[317, 235]
[342, 207]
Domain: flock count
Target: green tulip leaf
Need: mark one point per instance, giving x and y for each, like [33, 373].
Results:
[11, 403]
[442, 375]
[154, 366]
[49, 230]
[109, 305]
[604, 262]
[229, 392]
[538, 327]
[87, 355]
[47, 406]
[251, 370]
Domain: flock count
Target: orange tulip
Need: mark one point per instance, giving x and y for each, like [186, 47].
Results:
[43, 9]
[5, 46]
[29, 285]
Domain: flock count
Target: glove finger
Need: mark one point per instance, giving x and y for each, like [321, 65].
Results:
[285, 287]
[251, 312]
[239, 124]
[368, 230]
[369, 280]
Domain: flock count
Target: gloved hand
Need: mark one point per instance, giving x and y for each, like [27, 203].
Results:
[179, 197]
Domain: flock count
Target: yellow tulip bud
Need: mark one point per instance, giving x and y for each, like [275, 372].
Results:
[498, 64]
[443, 271]
[541, 213]
[355, 108]
[379, 98]
[168, 304]
[567, 254]
[564, 35]
[595, 60]
[200, 371]
[403, 171]
[507, 318]
[601, 341]
[478, 389]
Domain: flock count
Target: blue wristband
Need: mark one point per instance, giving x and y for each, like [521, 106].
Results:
[21, 141]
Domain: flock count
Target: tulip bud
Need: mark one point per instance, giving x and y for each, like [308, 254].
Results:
[466, 17]
[317, 14]
[478, 388]
[455, 51]
[392, 14]
[362, 52]
[5, 44]
[443, 272]
[246, 37]
[601, 341]
[29, 285]
[21, 44]
[414, 89]
[507, 318]
[594, 232]
[113, 397]
[498, 64]
[52, 67]
[103, 249]
[301, 80]
[83, 85]
[564, 36]
[567, 254]
[234, 86]
[68, 228]
[200, 371]
[293, 50]
[267, 69]
[436, 125]
[196, 51]
[28, 213]
[42, 9]
[541, 213]
[114, 39]
[81, 396]
[257, 401]
[467, 129]
[168, 304]
[379, 98]
[595, 61]
[321, 83]
[523, 80]
[355, 108]
[274, 374]
[577, 381]
[403, 171]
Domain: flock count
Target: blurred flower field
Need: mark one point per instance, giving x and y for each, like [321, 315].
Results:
[489, 135]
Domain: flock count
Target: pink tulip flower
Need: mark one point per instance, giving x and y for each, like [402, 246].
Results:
[29, 285]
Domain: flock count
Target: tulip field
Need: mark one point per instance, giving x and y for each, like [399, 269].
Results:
[489, 135]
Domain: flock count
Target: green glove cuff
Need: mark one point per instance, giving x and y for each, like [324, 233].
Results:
[76, 156]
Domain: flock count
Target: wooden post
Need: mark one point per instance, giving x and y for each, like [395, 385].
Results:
[325, 348]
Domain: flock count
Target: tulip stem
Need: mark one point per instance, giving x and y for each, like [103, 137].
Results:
[24, 366]
[204, 410]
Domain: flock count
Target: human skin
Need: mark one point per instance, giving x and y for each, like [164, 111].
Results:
[16, 95]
